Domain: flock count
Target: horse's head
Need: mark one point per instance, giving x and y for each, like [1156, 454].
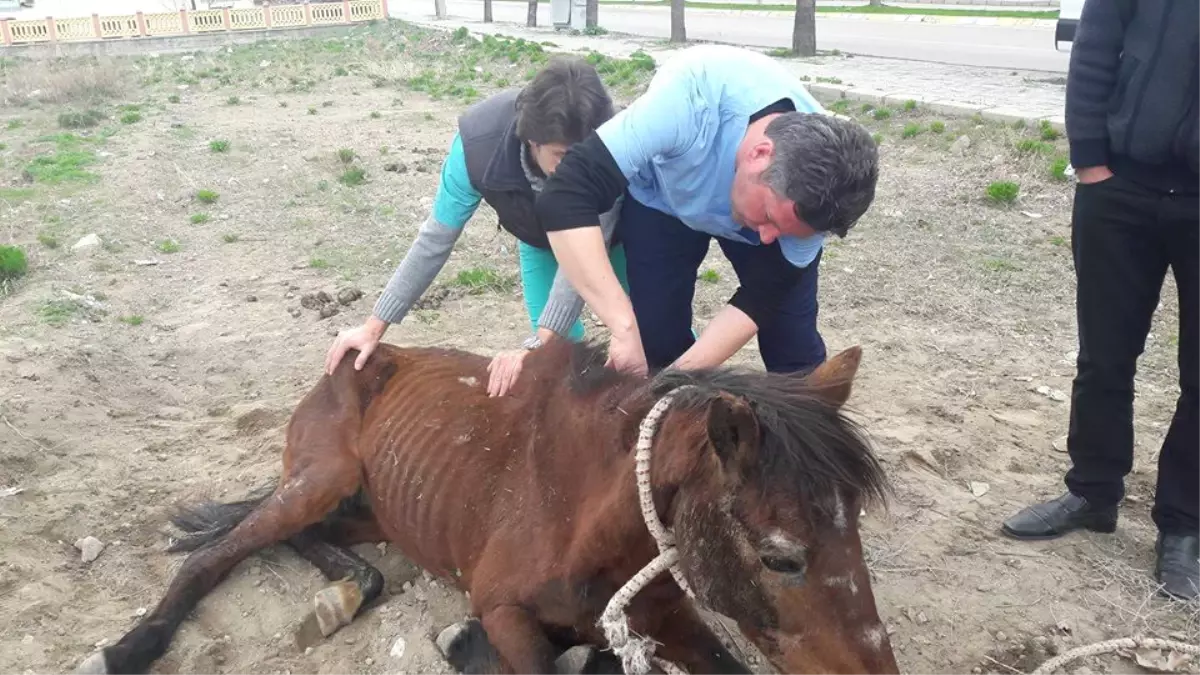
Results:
[766, 508]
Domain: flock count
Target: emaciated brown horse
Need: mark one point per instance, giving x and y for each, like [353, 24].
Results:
[529, 503]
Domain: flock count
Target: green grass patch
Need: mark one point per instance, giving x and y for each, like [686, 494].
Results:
[218, 145]
[480, 279]
[80, 119]
[13, 263]
[937, 126]
[354, 176]
[230, 238]
[881, 113]
[169, 246]
[710, 276]
[58, 312]
[1003, 192]
[911, 130]
[131, 117]
[207, 196]
[132, 319]
[1032, 146]
[1058, 168]
[199, 218]
[64, 166]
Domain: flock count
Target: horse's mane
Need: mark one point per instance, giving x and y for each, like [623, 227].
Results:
[809, 445]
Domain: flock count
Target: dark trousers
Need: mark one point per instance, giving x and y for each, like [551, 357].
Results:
[662, 258]
[1124, 238]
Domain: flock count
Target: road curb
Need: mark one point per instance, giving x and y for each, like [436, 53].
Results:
[943, 106]
[1005, 21]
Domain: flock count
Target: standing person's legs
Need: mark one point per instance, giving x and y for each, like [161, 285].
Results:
[1120, 257]
[538, 267]
[790, 342]
[1178, 496]
[662, 255]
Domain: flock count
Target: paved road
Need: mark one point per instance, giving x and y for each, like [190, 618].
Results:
[1009, 47]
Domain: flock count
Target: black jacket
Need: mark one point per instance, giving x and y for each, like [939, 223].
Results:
[1132, 91]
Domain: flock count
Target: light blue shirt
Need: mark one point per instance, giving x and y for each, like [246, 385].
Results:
[677, 142]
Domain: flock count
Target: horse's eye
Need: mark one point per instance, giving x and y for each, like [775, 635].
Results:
[783, 565]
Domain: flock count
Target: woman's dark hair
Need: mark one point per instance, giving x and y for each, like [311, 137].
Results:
[564, 103]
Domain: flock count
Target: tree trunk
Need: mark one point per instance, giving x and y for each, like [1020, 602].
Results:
[439, 8]
[593, 13]
[487, 11]
[804, 31]
[678, 33]
[531, 15]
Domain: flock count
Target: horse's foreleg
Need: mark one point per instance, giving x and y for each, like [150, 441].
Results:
[356, 584]
[301, 500]
[520, 640]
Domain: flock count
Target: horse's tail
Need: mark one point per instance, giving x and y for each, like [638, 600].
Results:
[208, 521]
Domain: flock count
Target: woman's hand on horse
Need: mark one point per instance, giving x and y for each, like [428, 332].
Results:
[504, 370]
[365, 339]
[626, 354]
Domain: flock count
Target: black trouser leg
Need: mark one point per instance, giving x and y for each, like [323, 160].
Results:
[1121, 252]
[1177, 498]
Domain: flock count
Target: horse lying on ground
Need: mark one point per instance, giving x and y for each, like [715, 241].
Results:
[529, 503]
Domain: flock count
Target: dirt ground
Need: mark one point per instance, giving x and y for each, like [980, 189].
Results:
[161, 364]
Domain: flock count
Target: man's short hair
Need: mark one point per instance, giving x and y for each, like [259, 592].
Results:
[563, 103]
[826, 165]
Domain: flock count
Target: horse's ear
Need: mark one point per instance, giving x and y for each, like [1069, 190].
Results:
[832, 379]
[732, 428]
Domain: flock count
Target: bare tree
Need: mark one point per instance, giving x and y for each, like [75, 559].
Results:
[531, 14]
[804, 31]
[593, 13]
[678, 33]
[439, 8]
[487, 11]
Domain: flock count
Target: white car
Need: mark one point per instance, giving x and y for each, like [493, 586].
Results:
[1068, 21]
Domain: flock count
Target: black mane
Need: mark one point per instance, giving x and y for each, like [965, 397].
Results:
[809, 445]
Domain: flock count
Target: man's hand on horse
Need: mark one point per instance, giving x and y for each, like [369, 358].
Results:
[364, 338]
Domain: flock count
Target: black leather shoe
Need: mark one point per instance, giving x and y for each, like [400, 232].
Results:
[1057, 517]
[1178, 565]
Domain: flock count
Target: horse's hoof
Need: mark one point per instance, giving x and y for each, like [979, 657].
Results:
[95, 664]
[335, 607]
[575, 660]
[450, 637]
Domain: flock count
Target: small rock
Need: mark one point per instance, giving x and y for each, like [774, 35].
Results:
[294, 311]
[90, 548]
[369, 661]
[1059, 444]
[176, 124]
[921, 618]
[140, 611]
[328, 311]
[396, 167]
[978, 488]
[187, 57]
[87, 243]
[323, 298]
[398, 647]
[251, 298]
[1000, 636]
[960, 145]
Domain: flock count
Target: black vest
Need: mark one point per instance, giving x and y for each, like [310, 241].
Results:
[488, 130]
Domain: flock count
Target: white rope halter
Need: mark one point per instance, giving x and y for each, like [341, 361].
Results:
[636, 652]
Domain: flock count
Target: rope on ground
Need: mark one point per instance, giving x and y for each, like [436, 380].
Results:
[1112, 646]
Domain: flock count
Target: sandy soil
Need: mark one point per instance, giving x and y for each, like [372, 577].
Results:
[125, 387]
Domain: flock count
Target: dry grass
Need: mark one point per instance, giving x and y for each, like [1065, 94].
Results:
[76, 82]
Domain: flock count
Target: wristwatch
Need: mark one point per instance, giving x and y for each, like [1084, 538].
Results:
[532, 342]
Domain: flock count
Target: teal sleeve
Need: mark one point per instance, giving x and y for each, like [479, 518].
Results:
[456, 198]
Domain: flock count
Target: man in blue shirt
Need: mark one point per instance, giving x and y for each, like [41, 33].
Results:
[724, 143]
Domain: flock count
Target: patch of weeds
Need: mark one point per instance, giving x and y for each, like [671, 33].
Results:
[840, 106]
[131, 117]
[132, 319]
[13, 263]
[353, 176]
[312, 110]
[479, 279]
[76, 119]
[65, 166]
[910, 105]
[882, 113]
[710, 276]
[233, 100]
[1000, 265]
[866, 108]
[780, 53]
[877, 137]
[230, 238]
[1058, 240]
[48, 240]
[169, 246]
[828, 80]
[1048, 132]
[199, 218]
[340, 71]
[326, 104]
[184, 133]
[1032, 146]
[16, 194]
[283, 104]
[910, 130]
[58, 312]
[375, 114]
[1003, 192]
[1058, 168]
[595, 30]
[173, 98]
[1019, 125]
[937, 126]
[219, 145]
[318, 263]
[13, 125]
[346, 155]
[207, 196]
[428, 117]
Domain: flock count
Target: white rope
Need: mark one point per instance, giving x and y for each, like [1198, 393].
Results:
[1112, 646]
[637, 652]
